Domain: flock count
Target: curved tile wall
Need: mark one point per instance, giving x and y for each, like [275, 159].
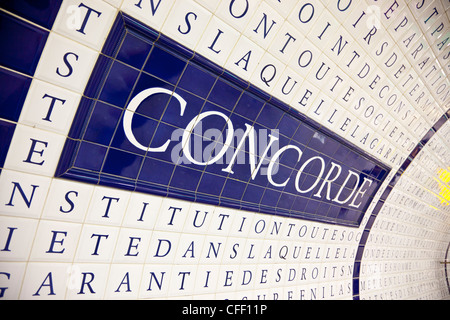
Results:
[226, 149]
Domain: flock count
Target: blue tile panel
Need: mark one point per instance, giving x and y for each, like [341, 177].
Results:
[21, 42]
[13, 91]
[41, 12]
[137, 128]
[6, 133]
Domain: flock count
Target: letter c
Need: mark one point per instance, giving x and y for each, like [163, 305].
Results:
[274, 160]
[134, 104]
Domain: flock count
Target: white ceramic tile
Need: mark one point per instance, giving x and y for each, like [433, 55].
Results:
[207, 279]
[286, 43]
[287, 86]
[49, 107]
[17, 237]
[267, 73]
[217, 43]
[335, 117]
[142, 211]
[355, 19]
[213, 250]
[67, 201]
[132, 246]
[186, 22]
[228, 278]
[55, 241]
[341, 9]
[305, 15]
[244, 58]
[305, 58]
[338, 43]
[263, 26]
[96, 244]
[34, 150]
[234, 250]
[11, 279]
[189, 249]
[320, 108]
[245, 276]
[324, 31]
[155, 281]
[163, 247]
[45, 281]
[123, 281]
[199, 218]
[282, 7]
[87, 22]
[22, 194]
[305, 97]
[87, 281]
[400, 24]
[241, 224]
[221, 222]
[429, 16]
[66, 63]
[172, 215]
[107, 206]
[182, 280]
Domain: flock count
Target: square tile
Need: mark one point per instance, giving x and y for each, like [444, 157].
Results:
[66, 63]
[12, 94]
[14, 229]
[31, 150]
[194, 19]
[22, 55]
[87, 22]
[41, 12]
[23, 194]
[67, 201]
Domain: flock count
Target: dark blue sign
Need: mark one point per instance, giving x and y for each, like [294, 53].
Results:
[158, 118]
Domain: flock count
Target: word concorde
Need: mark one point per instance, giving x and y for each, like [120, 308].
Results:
[352, 179]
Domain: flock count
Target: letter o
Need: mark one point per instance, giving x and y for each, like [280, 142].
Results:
[190, 127]
[304, 233]
[297, 177]
[441, 86]
[231, 11]
[300, 13]
[338, 6]
[372, 109]
[388, 102]
[263, 227]
[310, 58]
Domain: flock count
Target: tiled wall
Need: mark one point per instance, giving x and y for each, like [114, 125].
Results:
[88, 212]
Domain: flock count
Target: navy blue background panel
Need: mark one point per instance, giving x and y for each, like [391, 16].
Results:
[164, 150]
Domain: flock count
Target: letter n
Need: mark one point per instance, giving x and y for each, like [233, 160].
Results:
[22, 193]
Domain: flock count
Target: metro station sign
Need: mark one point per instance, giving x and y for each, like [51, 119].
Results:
[158, 118]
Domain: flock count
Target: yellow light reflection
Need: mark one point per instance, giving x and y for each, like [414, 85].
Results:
[444, 178]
